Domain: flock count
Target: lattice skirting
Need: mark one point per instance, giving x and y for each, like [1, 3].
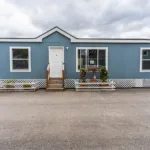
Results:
[69, 83]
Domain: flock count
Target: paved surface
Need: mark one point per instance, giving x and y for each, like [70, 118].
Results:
[75, 121]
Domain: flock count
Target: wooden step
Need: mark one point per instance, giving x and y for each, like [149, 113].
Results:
[55, 89]
[55, 78]
[54, 81]
[55, 85]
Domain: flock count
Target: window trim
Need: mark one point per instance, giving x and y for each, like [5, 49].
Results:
[11, 59]
[100, 48]
[141, 58]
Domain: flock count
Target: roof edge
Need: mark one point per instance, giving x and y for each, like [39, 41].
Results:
[74, 39]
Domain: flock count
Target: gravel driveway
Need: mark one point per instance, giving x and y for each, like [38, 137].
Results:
[75, 120]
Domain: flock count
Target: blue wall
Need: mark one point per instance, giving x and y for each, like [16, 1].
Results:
[123, 59]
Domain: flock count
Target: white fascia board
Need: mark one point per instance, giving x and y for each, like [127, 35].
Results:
[56, 30]
[73, 40]
[20, 40]
[108, 41]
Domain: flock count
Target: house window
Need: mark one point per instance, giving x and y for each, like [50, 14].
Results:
[145, 60]
[87, 57]
[20, 59]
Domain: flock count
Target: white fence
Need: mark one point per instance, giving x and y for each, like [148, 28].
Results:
[41, 82]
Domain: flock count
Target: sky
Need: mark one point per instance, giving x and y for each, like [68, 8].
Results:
[81, 18]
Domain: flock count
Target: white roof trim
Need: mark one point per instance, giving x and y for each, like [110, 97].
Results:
[56, 30]
[20, 40]
[110, 41]
[73, 39]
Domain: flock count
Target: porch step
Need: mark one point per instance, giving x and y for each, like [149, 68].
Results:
[55, 85]
[54, 81]
[55, 78]
[55, 89]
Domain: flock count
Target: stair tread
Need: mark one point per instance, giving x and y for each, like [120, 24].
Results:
[55, 78]
[55, 84]
[54, 88]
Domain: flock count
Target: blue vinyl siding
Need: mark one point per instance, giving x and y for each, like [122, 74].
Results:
[123, 59]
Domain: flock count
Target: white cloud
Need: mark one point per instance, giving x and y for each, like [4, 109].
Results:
[82, 18]
[14, 21]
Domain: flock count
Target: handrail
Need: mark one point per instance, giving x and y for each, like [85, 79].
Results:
[63, 73]
[47, 75]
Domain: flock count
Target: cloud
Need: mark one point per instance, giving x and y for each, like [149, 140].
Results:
[14, 22]
[82, 18]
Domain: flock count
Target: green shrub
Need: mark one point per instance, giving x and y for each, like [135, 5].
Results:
[10, 81]
[103, 74]
[27, 85]
[83, 74]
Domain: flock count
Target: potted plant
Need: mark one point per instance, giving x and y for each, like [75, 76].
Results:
[83, 76]
[9, 83]
[94, 70]
[104, 76]
[26, 85]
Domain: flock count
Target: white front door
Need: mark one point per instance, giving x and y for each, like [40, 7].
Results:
[56, 60]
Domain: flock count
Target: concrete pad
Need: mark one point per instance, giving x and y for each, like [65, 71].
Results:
[75, 120]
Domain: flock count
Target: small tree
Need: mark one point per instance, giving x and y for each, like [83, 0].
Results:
[103, 74]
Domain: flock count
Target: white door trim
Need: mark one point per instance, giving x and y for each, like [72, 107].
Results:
[56, 47]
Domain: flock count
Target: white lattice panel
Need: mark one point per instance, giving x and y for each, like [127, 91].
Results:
[124, 83]
[69, 83]
[41, 82]
[146, 82]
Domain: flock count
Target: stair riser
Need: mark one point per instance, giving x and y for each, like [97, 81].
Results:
[55, 86]
[55, 78]
[50, 90]
[55, 82]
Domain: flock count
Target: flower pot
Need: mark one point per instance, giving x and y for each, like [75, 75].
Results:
[10, 86]
[84, 84]
[105, 84]
[93, 80]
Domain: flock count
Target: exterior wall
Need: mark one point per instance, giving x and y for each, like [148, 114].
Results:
[123, 59]
[39, 57]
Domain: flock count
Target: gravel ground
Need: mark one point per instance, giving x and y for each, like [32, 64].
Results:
[75, 120]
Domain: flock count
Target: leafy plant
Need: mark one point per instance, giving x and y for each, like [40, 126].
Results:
[27, 85]
[83, 74]
[103, 74]
[9, 82]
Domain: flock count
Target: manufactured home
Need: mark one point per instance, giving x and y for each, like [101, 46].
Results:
[58, 54]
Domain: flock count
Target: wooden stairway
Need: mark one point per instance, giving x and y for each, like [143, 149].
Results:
[54, 84]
